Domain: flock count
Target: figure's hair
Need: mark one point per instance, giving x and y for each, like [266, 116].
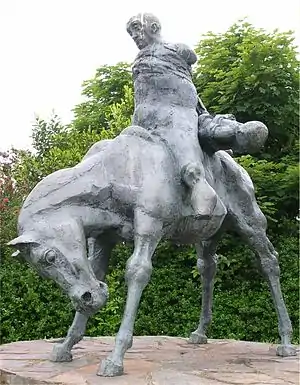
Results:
[145, 18]
[149, 18]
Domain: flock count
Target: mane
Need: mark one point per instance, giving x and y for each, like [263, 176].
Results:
[60, 180]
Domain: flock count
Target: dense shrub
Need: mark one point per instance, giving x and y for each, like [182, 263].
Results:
[33, 308]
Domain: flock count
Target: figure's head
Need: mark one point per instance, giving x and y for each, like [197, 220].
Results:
[59, 253]
[144, 29]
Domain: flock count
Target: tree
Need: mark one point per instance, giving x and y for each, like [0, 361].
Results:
[105, 89]
[43, 133]
[254, 75]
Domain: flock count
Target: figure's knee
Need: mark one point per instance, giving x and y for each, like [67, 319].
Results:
[191, 173]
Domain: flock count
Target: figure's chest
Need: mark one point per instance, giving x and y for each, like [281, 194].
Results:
[159, 54]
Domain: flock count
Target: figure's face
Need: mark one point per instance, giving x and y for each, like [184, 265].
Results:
[65, 262]
[143, 30]
[136, 31]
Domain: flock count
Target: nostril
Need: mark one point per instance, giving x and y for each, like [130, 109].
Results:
[87, 297]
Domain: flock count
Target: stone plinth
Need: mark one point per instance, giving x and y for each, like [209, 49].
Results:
[151, 361]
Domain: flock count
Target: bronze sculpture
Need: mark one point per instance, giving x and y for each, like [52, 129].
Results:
[154, 181]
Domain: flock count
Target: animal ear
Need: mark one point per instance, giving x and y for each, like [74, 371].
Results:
[22, 241]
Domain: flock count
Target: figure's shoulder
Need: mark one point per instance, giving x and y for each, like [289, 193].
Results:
[182, 50]
[170, 46]
[161, 47]
[187, 53]
[182, 46]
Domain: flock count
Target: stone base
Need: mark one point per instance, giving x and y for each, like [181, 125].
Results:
[151, 361]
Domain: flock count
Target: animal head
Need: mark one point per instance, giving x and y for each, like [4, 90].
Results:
[59, 254]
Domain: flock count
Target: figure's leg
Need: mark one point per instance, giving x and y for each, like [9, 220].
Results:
[98, 252]
[253, 229]
[183, 141]
[203, 197]
[138, 271]
[207, 266]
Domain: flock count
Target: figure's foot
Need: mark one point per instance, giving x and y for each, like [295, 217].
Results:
[109, 369]
[203, 200]
[196, 338]
[60, 354]
[202, 216]
[286, 351]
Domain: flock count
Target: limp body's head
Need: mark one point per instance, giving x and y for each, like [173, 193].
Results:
[57, 250]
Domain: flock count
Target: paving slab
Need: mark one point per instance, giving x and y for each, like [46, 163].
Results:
[151, 361]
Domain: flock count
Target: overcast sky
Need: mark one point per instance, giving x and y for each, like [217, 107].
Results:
[48, 47]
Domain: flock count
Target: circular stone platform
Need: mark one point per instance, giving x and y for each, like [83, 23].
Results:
[151, 361]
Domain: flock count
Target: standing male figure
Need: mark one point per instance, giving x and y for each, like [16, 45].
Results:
[166, 103]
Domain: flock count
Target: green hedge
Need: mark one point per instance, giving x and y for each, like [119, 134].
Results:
[34, 308]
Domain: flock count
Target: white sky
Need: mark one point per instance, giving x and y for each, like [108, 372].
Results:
[48, 47]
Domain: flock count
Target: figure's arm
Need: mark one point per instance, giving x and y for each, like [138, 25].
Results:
[201, 108]
[187, 53]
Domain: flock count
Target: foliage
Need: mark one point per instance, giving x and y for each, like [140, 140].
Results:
[105, 89]
[254, 75]
[44, 134]
[58, 146]
[244, 71]
[276, 185]
[243, 309]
